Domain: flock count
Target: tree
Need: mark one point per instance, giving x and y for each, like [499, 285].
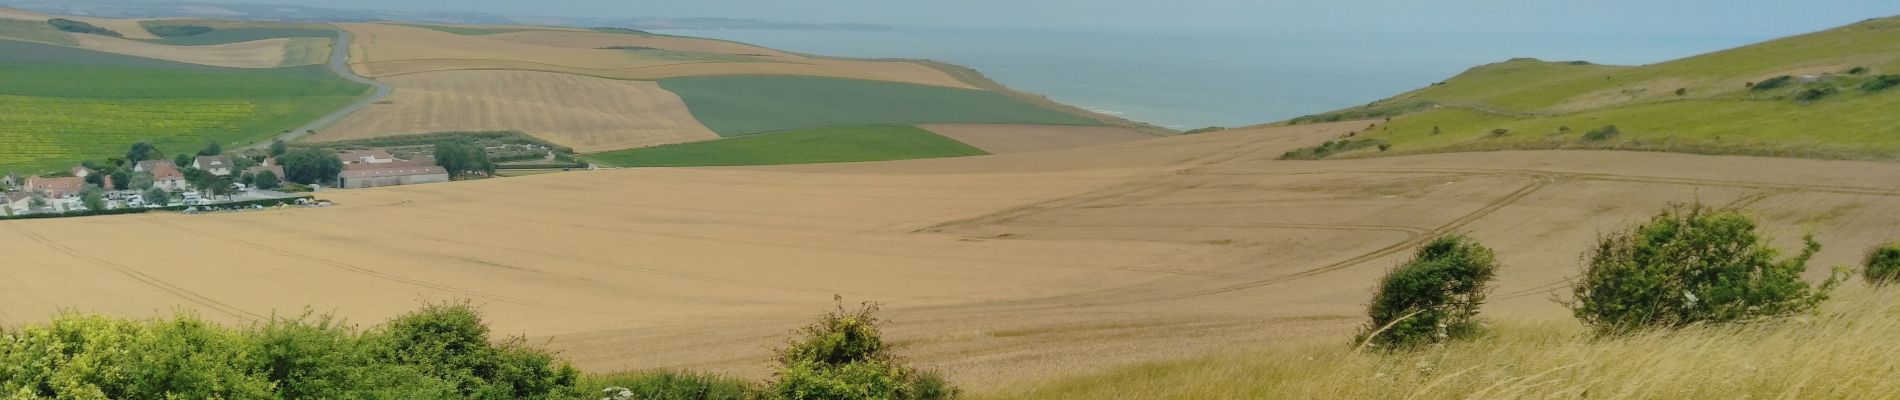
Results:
[222, 186]
[211, 149]
[142, 151]
[157, 196]
[461, 157]
[93, 197]
[141, 181]
[121, 179]
[37, 201]
[266, 180]
[96, 179]
[182, 160]
[278, 147]
[843, 356]
[311, 166]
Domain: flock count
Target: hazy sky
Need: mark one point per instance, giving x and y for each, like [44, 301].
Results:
[1712, 17]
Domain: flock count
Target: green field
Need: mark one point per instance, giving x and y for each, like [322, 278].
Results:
[744, 105]
[60, 105]
[805, 146]
[465, 30]
[1701, 104]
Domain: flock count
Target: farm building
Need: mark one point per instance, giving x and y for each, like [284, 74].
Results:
[17, 203]
[368, 156]
[393, 176]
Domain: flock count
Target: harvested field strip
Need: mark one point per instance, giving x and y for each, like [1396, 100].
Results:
[239, 35]
[585, 113]
[816, 145]
[268, 53]
[743, 105]
[34, 31]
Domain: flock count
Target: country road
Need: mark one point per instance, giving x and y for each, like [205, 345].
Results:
[339, 64]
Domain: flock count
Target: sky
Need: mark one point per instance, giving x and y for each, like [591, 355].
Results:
[1636, 17]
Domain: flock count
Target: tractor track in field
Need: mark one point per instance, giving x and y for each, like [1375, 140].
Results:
[360, 270]
[141, 277]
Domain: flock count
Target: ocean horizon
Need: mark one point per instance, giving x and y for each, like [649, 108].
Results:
[1186, 80]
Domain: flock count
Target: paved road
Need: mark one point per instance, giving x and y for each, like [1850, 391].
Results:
[340, 64]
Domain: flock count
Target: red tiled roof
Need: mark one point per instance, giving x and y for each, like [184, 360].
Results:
[56, 186]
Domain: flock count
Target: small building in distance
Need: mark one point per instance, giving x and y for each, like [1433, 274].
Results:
[165, 175]
[366, 156]
[359, 178]
[16, 203]
[56, 187]
[219, 165]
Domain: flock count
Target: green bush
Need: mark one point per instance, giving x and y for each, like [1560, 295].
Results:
[1433, 297]
[664, 385]
[1880, 83]
[1814, 94]
[1856, 70]
[1689, 265]
[1883, 265]
[843, 357]
[171, 31]
[1602, 134]
[1331, 148]
[432, 354]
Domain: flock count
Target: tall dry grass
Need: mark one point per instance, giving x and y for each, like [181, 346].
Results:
[1849, 350]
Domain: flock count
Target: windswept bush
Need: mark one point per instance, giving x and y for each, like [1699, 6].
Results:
[1881, 83]
[1883, 265]
[664, 385]
[1773, 83]
[1689, 265]
[843, 357]
[1331, 148]
[172, 31]
[1432, 298]
[1811, 95]
[450, 342]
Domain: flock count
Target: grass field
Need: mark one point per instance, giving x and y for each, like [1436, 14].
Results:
[1702, 104]
[466, 30]
[63, 105]
[1831, 355]
[805, 146]
[35, 31]
[743, 105]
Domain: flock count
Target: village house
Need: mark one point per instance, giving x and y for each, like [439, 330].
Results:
[165, 175]
[391, 176]
[17, 203]
[219, 165]
[56, 187]
[366, 156]
[11, 180]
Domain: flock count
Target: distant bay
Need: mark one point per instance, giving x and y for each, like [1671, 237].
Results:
[1187, 80]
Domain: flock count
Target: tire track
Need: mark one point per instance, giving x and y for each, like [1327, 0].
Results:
[186, 294]
[363, 271]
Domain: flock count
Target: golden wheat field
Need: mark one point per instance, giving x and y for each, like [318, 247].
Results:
[999, 270]
[586, 113]
[384, 50]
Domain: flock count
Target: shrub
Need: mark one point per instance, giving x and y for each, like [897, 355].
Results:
[1856, 70]
[1814, 94]
[664, 385]
[77, 356]
[1500, 132]
[1682, 92]
[1602, 134]
[1330, 148]
[80, 27]
[1883, 265]
[1880, 83]
[1773, 83]
[1690, 265]
[843, 357]
[1205, 130]
[1433, 297]
[449, 342]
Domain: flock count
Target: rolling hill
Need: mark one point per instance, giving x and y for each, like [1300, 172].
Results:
[1823, 95]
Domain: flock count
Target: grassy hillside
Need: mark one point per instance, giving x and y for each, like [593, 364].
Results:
[1842, 353]
[63, 104]
[805, 146]
[743, 105]
[1707, 104]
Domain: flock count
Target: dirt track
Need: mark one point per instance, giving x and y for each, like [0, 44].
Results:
[997, 269]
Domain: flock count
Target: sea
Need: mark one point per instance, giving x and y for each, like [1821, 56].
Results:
[1192, 79]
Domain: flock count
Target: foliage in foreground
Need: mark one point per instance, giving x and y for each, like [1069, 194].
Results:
[1690, 265]
[843, 356]
[664, 385]
[439, 352]
[1432, 298]
[1830, 356]
[1883, 265]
